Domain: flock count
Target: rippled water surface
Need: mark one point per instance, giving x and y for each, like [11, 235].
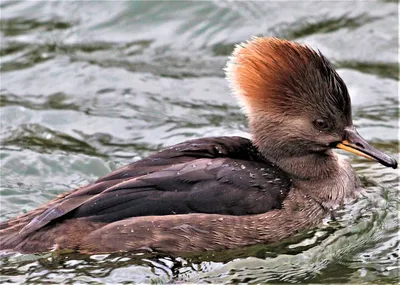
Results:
[89, 86]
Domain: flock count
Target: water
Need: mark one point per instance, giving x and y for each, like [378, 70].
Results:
[87, 87]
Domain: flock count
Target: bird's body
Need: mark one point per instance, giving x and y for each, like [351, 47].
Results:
[223, 192]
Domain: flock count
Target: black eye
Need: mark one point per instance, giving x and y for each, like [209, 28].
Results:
[321, 124]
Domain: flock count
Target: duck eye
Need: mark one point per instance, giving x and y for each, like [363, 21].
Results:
[321, 124]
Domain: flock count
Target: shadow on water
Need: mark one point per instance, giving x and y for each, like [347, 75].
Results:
[35, 137]
[18, 26]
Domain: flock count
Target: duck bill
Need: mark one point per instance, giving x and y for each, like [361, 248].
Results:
[354, 143]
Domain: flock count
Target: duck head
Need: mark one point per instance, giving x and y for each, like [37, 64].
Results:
[298, 107]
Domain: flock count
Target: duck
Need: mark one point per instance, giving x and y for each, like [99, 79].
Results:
[221, 193]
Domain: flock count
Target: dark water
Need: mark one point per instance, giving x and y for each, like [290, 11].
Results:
[89, 86]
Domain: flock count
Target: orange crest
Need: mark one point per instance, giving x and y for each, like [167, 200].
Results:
[271, 73]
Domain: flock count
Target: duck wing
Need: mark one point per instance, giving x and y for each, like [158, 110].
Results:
[222, 175]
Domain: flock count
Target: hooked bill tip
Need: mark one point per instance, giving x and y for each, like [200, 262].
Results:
[394, 163]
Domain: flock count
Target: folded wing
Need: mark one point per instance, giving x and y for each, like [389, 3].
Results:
[224, 175]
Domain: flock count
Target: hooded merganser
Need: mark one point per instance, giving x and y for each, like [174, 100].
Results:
[222, 192]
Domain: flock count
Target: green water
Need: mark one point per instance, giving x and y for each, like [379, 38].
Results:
[87, 87]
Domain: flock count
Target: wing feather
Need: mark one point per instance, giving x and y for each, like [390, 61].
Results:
[223, 175]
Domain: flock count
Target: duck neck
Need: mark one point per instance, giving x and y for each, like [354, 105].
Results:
[325, 178]
[281, 143]
[322, 176]
[301, 166]
[310, 167]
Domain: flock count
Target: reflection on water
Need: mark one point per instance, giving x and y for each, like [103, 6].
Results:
[89, 86]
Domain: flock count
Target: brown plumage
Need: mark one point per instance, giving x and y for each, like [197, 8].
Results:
[224, 192]
[274, 75]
